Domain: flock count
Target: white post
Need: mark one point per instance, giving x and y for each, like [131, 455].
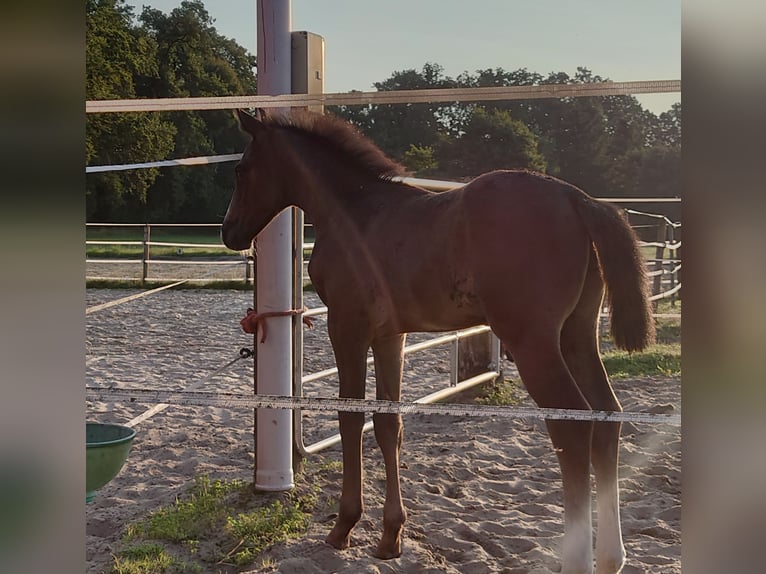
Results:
[274, 446]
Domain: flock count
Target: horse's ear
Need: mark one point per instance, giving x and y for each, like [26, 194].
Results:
[249, 124]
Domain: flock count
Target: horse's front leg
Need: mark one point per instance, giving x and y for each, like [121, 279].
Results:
[350, 347]
[388, 433]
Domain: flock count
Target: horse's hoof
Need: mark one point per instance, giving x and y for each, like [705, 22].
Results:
[387, 553]
[338, 542]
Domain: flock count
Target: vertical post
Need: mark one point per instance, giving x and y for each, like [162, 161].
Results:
[273, 290]
[659, 255]
[454, 361]
[307, 65]
[672, 254]
[497, 357]
[297, 389]
[249, 260]
[145, 256]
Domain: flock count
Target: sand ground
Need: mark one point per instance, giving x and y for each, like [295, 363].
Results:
[483, 495]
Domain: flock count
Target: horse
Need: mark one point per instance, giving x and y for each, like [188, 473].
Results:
[528, 254]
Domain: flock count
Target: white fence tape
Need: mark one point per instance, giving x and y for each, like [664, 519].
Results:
[250, 401]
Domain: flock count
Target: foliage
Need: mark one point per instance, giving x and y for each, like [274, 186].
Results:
[492, 140]
[505, 392]
[609, 146]
[661, 359]
[119, 59]
[195, 60]
[150, 558]
[420, 159]
[179, 54]
[190, 519]
[218, 523]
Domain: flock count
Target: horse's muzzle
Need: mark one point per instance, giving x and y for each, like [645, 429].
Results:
[233, 239]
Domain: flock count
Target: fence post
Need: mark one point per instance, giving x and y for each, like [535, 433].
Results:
[297, 336]
[249, 259]
[475, 355]
[145, 256]
[454, 362]
[272, 292]
[659, 255]
[672, 254]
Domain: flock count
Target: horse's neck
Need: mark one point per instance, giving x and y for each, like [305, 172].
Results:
[323, 186]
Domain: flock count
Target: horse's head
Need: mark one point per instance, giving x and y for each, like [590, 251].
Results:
[257, 195]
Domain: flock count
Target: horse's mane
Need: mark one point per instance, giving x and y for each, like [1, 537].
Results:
[343, 136]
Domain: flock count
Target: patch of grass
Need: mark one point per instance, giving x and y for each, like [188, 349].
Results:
[668, 332]
[257, 530]
[660, 359]
[220, 523]
[151, 558]
[189, 520]
[506, 392]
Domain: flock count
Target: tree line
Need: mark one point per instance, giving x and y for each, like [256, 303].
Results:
[610, 145]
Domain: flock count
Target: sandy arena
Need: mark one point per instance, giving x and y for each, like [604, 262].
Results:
[482, 495]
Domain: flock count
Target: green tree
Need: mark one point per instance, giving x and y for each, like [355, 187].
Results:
[420, 160]
[119, 57]
[195, 60]
[669, 126]
[396, 127]
[492, 140]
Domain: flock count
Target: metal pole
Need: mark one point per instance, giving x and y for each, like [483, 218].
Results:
[145, 256]
[273, 291]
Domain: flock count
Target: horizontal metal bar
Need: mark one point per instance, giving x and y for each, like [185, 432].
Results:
[170, 244]
[492, 93]
[193, 262]
[96, 224]
[91, 242]
[666, 294]
[408, 350]
[316, 311]
[114, 261]
[333, 440]
[428, 399]
[205, 160]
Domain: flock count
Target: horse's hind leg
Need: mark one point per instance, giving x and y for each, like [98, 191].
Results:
[546, 377]
[579, 345]
[388, 432]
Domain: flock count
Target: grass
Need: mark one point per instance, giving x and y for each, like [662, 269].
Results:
[505, 392]
[220, 525]
[659, 359]
[151, 558]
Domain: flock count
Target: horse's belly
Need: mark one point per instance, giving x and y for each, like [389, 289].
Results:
[441, 311]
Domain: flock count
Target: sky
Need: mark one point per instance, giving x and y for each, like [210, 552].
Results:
[367, 40]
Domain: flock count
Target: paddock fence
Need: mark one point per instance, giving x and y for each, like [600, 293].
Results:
[169, 260]
[145, 259]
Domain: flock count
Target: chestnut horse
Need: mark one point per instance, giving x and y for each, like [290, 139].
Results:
[528, 254]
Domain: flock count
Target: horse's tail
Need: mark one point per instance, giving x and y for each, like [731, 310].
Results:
[623, 271]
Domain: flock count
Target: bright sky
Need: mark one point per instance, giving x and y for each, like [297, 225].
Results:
[367, 40]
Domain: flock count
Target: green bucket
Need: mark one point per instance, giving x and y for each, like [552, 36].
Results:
[106, 449]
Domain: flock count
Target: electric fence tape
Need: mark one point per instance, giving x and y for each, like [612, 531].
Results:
[238, 400]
